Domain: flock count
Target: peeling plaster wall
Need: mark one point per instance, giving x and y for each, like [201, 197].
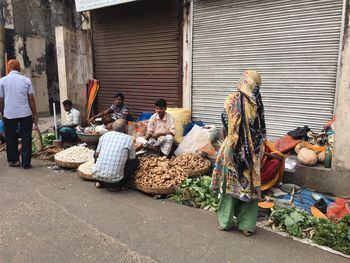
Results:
[26, 20]
[74, 56]
[8, 13]
[36, 71]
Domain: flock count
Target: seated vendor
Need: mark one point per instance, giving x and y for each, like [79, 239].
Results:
[117, 111]
[161, 129]
[115, 158]
[67, 131]
[272, 166]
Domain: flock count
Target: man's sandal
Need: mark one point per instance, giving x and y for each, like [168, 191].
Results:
[14, 164]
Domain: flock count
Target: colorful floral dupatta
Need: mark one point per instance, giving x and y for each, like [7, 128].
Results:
[237, 167]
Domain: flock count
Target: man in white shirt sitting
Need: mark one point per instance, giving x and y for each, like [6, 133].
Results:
[67, 131]
[160, 130]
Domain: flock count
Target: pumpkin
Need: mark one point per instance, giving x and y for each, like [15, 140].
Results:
[321, 156]
[298, 148]
[317, 213]
[307, 156]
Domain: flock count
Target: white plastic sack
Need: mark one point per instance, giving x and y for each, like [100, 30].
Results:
[195, 140]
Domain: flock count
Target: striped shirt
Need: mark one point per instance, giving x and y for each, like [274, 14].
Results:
[120, 112]
[114, 150]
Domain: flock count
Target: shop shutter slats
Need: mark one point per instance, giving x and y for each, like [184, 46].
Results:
[294, 44]
[137, 52]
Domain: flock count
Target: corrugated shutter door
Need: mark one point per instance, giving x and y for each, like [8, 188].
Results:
[292, 43]
[136, 51]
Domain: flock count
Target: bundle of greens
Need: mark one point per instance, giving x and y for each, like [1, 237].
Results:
[195, 192]
[294, 221]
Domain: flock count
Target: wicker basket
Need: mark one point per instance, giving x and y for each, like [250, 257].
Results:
[85, 176]
[202, 171]
[68, 165]
[153, 191]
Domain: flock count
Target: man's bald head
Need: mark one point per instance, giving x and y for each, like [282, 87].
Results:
[13, 64]
[120, 126]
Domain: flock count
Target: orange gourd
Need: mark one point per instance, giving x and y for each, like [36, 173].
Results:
[266, 205]
[317, 213]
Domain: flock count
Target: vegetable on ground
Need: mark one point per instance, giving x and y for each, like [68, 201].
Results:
[195, 192]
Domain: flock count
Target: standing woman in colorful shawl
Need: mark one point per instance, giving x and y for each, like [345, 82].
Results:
[237, 169]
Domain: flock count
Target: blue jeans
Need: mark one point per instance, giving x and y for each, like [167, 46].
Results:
[68, 134]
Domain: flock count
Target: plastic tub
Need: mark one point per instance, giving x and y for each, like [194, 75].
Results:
[89, 138]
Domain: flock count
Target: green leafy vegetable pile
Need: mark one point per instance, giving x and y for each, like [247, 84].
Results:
[195, 192]
[294, 221]
[299, 223]
[48, 139]
[334, 235]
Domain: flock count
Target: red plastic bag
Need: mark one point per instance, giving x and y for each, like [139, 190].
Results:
[338, 209]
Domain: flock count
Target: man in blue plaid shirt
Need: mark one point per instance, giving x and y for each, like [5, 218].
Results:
[115, 158]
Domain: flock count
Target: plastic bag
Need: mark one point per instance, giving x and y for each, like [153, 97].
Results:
[290, 163]
[182, 117]
[140, 128]
[338, 209]
[36, 141]
[144, 116]
[196, 140]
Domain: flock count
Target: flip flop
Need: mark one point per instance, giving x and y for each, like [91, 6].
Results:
[247, 233]
[115, 189]
[226, 229]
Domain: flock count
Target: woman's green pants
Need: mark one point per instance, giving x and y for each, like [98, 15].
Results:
[245, 212]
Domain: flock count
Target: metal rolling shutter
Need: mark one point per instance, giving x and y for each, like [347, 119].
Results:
[292, 43]
[137, 51]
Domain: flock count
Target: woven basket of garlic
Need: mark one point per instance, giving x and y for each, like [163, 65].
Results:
[85, 170]
[73, 157]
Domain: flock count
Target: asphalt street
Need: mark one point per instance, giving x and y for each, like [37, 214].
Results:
[54, 216]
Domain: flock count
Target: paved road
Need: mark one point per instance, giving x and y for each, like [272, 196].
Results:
[48, 216]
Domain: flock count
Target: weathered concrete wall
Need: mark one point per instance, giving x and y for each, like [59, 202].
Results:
[30, 19]
[74, 57]
[342, 124]
[36, 70]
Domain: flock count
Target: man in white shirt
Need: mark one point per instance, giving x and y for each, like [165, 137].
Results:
[115, 158]
[17, 105]
[160, 130]
[67, 131]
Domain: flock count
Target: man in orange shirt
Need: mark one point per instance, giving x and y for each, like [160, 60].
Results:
[161, 129]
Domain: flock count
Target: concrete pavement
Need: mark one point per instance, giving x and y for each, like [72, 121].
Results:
[54, 216]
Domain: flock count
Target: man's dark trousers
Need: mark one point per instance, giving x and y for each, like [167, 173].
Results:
[129, 170]
[25, 132]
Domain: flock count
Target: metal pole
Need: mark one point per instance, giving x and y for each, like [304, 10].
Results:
[54, 119]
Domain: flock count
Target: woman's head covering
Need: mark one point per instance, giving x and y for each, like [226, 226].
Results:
[247, 85]
[13, 64]
[253, 75]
